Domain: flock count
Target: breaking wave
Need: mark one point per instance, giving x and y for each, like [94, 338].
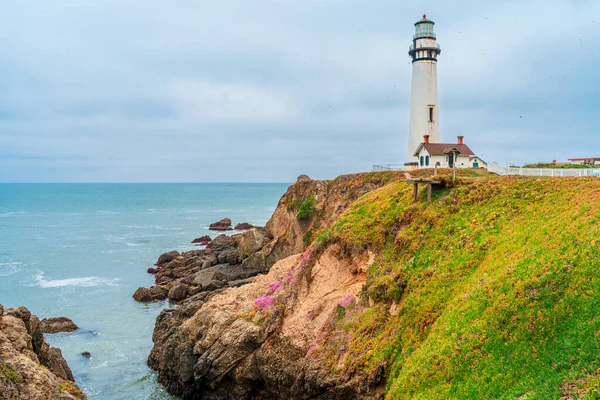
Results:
[86, 281]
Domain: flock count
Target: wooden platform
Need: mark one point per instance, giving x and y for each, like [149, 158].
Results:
[420, 181]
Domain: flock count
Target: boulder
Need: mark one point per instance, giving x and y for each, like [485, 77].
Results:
[202, 241]
[178, 292]
[86, 354]
[56, 325]
[148, 295]
[222, 225]
[221, 242]
[167, 257]
[21, 313]
[250, 242]
[152, 270]
[232, 257]
[243, 226]
[303, 177]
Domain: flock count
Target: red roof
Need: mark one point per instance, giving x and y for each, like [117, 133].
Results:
[440, 149]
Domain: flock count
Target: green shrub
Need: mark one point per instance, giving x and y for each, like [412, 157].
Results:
[8, 373]
[294, 204]
[306, 209]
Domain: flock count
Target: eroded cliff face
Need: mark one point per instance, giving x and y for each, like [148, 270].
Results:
[261, 340]
[29, 367]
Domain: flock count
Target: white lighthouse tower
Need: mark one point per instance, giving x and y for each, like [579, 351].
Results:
[424, 113]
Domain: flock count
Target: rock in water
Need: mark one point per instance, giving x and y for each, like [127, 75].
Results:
[86, 354]
[56, 325]
[202, 241]
[243, 226]
[167, 257]
[222, 225]
[148, 295]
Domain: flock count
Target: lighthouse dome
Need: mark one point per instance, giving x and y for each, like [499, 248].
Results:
[424, 28]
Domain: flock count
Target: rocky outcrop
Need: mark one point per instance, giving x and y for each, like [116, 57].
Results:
[231, 260]
[243, 226]
[222, 225]
[203, 240]
[29, 367]
[148, 295]
[58, 324]
[303, 177]
[221, 264]
[259, 340]
[241, 336]
[167, 257]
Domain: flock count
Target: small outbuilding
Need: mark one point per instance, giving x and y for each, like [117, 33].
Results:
[585, 161]
[477, 162]
[444, 155]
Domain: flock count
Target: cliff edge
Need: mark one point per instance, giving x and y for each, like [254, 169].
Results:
[491, 290]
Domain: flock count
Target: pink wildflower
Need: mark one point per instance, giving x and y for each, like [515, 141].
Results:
[290, 276]
[306, 255]
[264, 302]
[346, 301]
[312, 350]
[274, 286]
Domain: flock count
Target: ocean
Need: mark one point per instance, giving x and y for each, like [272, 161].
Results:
[81, 250]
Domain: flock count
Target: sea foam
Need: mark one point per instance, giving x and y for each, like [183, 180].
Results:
[79, 281]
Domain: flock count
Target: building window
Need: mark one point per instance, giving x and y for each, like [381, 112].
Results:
[430, 113]
[421, 161]
[427, 160]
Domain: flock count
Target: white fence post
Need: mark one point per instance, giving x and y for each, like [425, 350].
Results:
[551, 172]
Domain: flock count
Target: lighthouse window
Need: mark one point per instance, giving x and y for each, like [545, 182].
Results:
[427, 160]
[421, 161]
[430, 114]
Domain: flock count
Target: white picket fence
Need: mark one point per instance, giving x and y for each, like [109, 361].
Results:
[565, 172]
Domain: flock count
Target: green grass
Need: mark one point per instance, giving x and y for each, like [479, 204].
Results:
[9, 374]
[564, 166]
[71, 388]
[496, 286]
[307, 208]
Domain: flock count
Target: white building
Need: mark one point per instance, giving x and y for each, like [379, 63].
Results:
[424, 113]
[443, 155]
[477, 162]
[585, 161]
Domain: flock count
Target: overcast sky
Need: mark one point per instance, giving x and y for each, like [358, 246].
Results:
[168, 91]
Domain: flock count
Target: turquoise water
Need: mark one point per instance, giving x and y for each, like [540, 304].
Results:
[81, 250]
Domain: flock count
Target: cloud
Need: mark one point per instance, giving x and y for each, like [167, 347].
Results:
[264, 91]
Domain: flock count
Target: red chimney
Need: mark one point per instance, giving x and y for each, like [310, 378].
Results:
[425, 139]
[460, 139]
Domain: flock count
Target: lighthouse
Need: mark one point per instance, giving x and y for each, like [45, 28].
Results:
[424, 110]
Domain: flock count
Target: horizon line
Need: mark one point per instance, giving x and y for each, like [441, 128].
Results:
[141, 183]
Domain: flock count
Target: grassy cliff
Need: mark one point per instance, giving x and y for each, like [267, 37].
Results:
[490, 291]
